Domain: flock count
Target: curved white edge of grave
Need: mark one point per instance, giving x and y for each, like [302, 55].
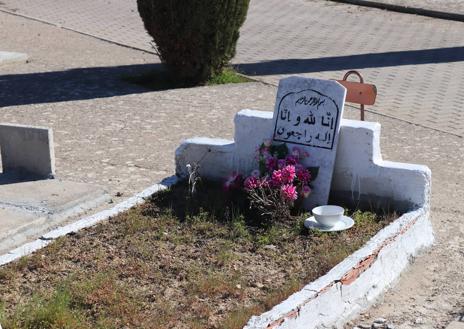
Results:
[85, 222]
[359, 171]
[357, 282]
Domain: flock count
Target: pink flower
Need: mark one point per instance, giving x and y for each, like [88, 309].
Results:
[251, 183]
[303, 175]
[291, 160]
[265, 182]
[271, 163]
[306, 191]
[288, 174]
[277, 178]
[288, 192]
[265, 153]
[296, 152]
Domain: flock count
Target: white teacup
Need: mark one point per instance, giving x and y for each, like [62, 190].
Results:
[327, 216]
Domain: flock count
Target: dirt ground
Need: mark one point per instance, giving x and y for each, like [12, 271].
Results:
[168, 264]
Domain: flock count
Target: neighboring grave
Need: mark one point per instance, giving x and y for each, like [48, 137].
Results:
[307, 114]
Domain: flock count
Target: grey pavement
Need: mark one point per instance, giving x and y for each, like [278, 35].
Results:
[416, 62]
[123, 137]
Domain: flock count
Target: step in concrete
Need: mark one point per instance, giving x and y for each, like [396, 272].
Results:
[30, 209]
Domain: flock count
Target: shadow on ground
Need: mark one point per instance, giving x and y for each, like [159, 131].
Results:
[352, 62]
[100, 82]
[17, 177]
[72, 85]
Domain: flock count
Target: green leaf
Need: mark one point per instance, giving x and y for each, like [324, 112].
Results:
[262, 167]
[314, 172]
[279, 150]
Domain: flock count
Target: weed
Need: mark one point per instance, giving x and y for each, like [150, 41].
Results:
[364, 217]
[159, 79]
[238, 318]
[238, 228]
[6, 274]
[225, 254]
[217, 284]
[45, 313]
[228, 75]
[272, 235]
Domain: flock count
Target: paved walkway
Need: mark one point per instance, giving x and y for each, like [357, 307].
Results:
[416, 62]
[123, 137]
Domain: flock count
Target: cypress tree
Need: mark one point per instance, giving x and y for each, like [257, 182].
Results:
[194, 38]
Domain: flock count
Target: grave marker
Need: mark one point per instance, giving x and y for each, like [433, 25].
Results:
[308, 114]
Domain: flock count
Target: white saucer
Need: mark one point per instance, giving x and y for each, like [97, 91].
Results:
[343, 224]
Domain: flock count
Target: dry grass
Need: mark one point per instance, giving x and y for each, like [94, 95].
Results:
[174, 262]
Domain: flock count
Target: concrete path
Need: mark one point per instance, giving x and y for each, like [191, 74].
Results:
[416, 62]
[121, 136]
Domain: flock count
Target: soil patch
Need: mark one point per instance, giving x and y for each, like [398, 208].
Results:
[176, 261]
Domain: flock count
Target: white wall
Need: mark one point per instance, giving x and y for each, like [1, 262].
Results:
[359, 169]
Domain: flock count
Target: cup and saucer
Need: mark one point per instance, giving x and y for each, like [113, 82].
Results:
[329, 219]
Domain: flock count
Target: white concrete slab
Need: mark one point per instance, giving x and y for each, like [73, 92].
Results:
[7, 57]
[30, 209]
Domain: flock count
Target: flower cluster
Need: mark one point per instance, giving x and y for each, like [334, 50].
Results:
[280, 169]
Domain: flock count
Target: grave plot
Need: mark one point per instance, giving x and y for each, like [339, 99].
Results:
[307, 114]
[32, 199]
[197, 256]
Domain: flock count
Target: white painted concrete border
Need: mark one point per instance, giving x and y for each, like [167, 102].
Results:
[360, 173]
[355, 283]
[43, 241]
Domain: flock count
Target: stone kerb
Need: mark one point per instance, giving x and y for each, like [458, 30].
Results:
[27, 150]
[359, 171]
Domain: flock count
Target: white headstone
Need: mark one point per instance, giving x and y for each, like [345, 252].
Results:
[308, 114]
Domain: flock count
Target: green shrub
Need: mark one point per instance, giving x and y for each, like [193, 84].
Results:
[194, 38]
